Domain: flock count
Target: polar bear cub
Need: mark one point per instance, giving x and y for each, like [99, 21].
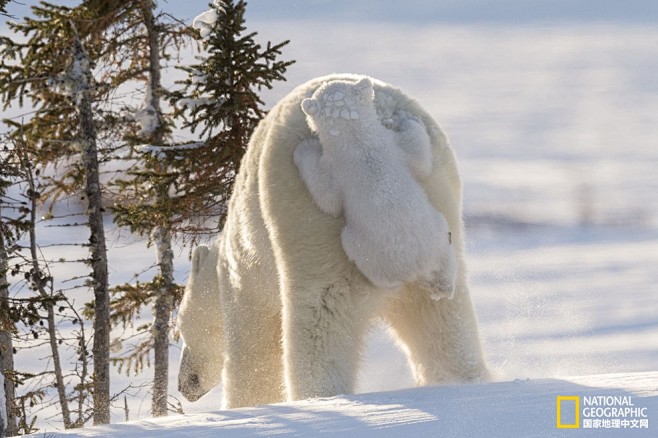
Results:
[370, 174]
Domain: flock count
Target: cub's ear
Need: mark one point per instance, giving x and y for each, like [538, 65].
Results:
[310, 106]
[364, 89]
[198, 257]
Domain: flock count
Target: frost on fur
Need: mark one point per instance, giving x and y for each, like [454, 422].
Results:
[371, 174]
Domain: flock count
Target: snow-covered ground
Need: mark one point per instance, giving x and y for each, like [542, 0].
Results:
[556, 131]
[522, 408]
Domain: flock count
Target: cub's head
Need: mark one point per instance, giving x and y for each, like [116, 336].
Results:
[335, 103]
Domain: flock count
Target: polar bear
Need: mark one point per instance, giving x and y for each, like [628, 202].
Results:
[294, 309]
[363, 170]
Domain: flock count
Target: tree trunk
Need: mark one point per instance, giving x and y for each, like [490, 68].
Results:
[3, 405]
[101, 344]
[7, 412]
[163, 308]
[161, 234]
[37, 278]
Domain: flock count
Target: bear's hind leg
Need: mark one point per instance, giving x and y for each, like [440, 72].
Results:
[440, 337]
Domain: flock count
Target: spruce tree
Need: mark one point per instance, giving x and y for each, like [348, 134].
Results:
[125, 40]
[160, 231]
[170, 189]
[39, 307]
[52, 69]
[220, 100]
[182, 185]
[145, 40]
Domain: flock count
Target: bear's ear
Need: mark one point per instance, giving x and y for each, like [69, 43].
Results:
[364, 89]
[198, 257]
[310, 106]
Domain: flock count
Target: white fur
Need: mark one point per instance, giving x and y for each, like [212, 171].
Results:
[294, 308]
[199, 320]
[364, 170]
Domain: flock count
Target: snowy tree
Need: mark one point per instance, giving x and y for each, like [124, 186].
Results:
[154, 129]
[80, 73]
[220, 99]
[39, 302]
[176, 187]
[30, 273]
[72, 63]
[131, 41]
[53, 69]
[145, 39]
[184, 185]
[41, 282]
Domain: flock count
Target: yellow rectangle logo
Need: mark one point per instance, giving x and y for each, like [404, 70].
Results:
[558, 411]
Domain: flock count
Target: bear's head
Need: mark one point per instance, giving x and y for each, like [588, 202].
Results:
[339, 102]
[200, 326]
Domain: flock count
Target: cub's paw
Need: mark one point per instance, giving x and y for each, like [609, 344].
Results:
[308, 150]
[441, 282]
[404, 121]
[439, 285]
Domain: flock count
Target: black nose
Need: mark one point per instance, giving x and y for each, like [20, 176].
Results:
[191, 387]
[194, 380]
[191, 384]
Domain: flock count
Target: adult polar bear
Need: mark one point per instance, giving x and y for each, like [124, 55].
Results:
[293, 311]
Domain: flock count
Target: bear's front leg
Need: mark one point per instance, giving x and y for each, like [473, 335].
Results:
[413, 139]
[318, 179]
[253, 372]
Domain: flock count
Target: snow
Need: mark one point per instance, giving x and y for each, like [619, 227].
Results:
[74, 81]
[146, 117]
[520, 408]
[160, 152]
[191, 104]
[206, 21]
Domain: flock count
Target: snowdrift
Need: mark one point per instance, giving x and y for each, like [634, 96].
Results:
[522, 408]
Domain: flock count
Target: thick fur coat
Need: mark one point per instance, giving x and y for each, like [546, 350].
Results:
[292, 310]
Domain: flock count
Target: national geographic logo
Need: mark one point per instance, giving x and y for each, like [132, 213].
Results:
[567, 412]
[599, 412]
